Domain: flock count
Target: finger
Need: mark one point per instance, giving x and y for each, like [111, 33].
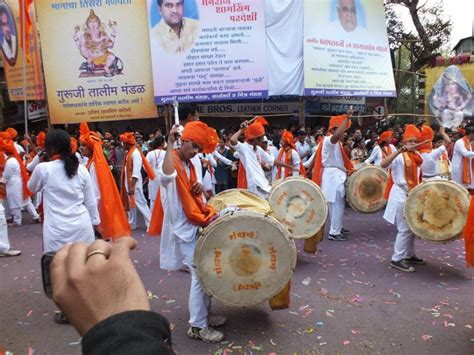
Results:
[76, 259]
[99, 258]
[57, 269]
[121, 249]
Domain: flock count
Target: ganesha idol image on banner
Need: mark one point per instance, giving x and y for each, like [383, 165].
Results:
[94, 44]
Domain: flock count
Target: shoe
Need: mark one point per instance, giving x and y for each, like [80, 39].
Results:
[14, 224]
[207, 335]
[11, 253]
[337, 237]
[184, 268]
[215, 320]
[60, 318]
[344, 231]
[402, 265]
[415, 260]
[37, 220]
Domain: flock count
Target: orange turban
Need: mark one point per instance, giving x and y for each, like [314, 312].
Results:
[12, 132]
[336, 121]
[73, 144]
[128, 137]
[40, 138]
[411, 131]
[200, 133]
[5, 135]
[288, 138]
[9, 148]
[89, 138]
[427, 134]
[386, 135]
[256, 129]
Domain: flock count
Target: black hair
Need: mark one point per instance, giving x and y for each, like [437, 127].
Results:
[58, 141]
[469, 130]
[184, 110]
[157, 142]
[438, 137]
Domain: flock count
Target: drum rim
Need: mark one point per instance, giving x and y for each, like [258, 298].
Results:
[325, 205]
[205, 233]
[431, 182]
[349, 183]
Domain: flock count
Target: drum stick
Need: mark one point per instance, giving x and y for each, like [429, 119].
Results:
[176, 114]
[420, 144]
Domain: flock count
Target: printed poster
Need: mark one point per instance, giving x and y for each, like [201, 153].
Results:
[13, 54]
[205, 50]
[96, 60]
[346, 50]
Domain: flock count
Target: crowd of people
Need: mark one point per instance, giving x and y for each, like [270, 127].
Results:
[91, 186]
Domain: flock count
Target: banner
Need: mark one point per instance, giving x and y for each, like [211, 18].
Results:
[37, 110]
[450, 95]
[96, 60]
[346, 50]
[13, 53]
[205, 50]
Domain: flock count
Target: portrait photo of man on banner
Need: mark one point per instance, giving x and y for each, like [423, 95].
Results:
[8, 35]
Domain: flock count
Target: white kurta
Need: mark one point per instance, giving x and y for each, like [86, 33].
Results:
[334, 172]
[14, 184]
[155, 158]
[303, 148]
[252, 160]
[95, 183]
[431, 162]
[70, 207]
[376, 155]
[295, 163]
[459, 153]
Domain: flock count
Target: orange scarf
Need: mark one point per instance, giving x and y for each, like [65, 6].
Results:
[242, 175]
[318, 163]
[288, 161]
[466, 169]
[197, 212]
[386, 151]
[468, 234]
[113, 220]
[412, 161]
[24, 174]
[129, 201]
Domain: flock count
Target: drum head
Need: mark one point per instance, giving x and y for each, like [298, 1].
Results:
[299, 204]
[244, 199]
[365, 189]
[245, 258]
[437, 210]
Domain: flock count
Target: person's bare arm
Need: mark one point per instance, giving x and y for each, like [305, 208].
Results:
[168, 162]
[342, 128]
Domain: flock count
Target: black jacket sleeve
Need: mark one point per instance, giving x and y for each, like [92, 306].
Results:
[133, 332]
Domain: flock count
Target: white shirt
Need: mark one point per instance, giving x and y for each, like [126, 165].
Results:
[251, 160]
[431, 161]
[95, 183]
[13, 183]
[155, 158]
[33, 163]
[376, 156]
[303, 148]
[19, 148]
[9, 51]
[136, 169]
[70, 206]
[334, 172]
[459, 153]
[295, 162]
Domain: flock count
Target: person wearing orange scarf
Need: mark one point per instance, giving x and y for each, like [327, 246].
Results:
[405, 165]
[12, 132]
[131, 188]
[432, 157]
[113, 219]
[463, 159]
[331, 167]
[383, 149]
[178, 215]
[15, 178]
[288, 155]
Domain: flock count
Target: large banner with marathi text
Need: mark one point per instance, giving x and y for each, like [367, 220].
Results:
[204, 50]
[22, 66]
[346, 50]
[96, 60]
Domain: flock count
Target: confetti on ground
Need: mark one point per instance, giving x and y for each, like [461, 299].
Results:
[426, 337]
[29, 313]
[346, 342]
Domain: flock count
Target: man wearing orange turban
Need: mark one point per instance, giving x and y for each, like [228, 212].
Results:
[383, 149]
[15, 178]
[131, 187]
[179, 213]
[13, 134]
[252, 157]
[288, 156]
[432, 158]
[331, 167]
[113, 220]
[405, 165]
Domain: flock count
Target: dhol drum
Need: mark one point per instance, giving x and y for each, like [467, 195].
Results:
[436, 210]
[244, 258]
[241, 198]
[300, 205]
[365, 189]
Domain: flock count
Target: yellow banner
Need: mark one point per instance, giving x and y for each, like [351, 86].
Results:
[96, 60]
[13, 54]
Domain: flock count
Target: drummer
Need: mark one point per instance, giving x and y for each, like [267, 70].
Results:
[288, 155]
[405, 165]
[181, 196]
[331, 166]
[383, 149]
[463, 160]
[431, 167]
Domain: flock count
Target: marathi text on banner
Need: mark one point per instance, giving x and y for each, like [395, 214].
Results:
[14, 56]
[346, 50]
[96, 60]
[208, 50]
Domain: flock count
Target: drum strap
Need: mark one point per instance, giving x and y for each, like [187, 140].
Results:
[466, 169]
[468, 234]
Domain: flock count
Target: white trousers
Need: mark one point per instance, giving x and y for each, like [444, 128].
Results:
[142, 206]
[16, 212]
[405, 242]
[336, 211]
[199, 302]
[4, 241]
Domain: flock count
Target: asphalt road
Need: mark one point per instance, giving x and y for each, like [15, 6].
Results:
[345, 300]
